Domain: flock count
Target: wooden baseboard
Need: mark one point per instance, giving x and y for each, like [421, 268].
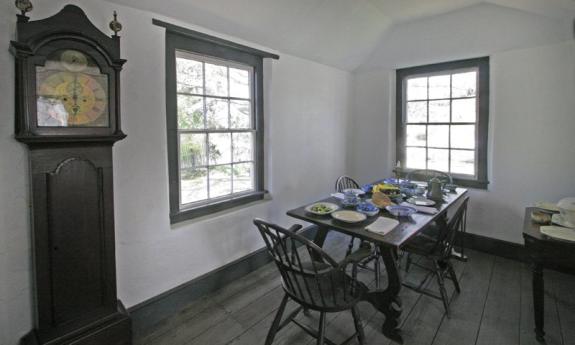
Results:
[509, 250]
[150, 312]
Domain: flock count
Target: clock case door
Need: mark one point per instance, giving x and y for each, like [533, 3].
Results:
[70, 29]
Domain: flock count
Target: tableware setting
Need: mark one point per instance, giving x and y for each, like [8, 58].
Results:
[355, 191]
[401, 211]
[348, 216]
[350, 199]
[322, 208]
[420, 201]
[368, 209]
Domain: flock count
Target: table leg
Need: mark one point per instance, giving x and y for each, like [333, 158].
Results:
[538, 300]
[319, 239]
[387, 301]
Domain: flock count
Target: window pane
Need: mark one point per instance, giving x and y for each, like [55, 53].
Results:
[464, 84]
[220, 180]
[216, 80]
[220, 148]
[439, 87]
[417, 88]
[243, 177]
[189, 76]
[216, 113]
[192, 150]
[241, 114]
[417, 112]
[439, 111]
[190, 112]
[243, 147]
[415, 135]
[193, 185]
[239, 83]
[415, 158]
[438, 136]
[463, 162]
[463, 136]
[438, 159]
[464, 110]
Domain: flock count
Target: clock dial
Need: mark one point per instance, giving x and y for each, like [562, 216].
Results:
[71, 92]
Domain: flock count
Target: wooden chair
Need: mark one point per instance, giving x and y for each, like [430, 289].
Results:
[313, 279]
[438, 249]
[342, 183]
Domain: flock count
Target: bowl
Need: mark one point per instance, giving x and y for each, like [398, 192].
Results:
[401, 211]
[368, 209]
[567, 209]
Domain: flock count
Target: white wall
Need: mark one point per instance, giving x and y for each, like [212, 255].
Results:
[532, 108]
[303, 101]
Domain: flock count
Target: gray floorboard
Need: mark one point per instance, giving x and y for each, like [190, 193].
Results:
[494, 307]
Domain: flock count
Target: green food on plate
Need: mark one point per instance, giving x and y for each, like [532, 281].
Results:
[321, 208]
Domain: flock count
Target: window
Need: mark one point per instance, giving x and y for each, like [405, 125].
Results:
[214, 121]
[442, 115]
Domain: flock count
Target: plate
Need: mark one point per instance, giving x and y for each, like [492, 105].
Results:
[349, 216]
[354, 191]
[401, 211]
[559, 220]
[421, 201]
[332, 207]
[547, 206]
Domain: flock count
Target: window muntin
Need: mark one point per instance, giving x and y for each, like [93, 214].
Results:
[442, 119]
[216, 129]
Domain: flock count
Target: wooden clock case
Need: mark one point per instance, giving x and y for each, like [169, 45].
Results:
[72, 201]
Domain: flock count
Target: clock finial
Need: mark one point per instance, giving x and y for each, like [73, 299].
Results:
[24, 6]
[115, 25]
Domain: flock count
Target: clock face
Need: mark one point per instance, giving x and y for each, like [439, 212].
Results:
[71, 92]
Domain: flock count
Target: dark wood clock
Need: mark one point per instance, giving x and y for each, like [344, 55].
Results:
[68, 114]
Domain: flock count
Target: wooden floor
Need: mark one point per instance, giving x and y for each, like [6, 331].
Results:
[494, 308]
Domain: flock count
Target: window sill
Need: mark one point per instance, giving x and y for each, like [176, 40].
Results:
[204, 210]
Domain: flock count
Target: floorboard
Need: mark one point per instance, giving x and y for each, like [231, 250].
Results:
[494, 307]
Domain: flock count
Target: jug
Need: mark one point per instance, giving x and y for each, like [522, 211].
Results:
[435, 189]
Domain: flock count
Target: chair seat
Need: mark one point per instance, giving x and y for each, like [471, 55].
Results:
[421, 244]
[332, 292]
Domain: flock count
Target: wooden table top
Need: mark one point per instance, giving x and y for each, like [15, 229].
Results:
[406, 229]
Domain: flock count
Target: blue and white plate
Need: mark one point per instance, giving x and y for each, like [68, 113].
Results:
[401, 211]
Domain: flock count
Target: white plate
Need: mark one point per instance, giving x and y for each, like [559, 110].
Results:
[547, 206]
[349, 216]
[333, 207]
[354, 191]
[420, 201]
[559, 220]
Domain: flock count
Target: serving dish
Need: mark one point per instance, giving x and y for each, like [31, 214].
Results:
[348, 216]
[321, 208]
[560, 220]
[368, 209]
[420, 201]
[401, 211]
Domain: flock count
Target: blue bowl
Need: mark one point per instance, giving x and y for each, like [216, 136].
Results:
[401, 211]
[367, 208]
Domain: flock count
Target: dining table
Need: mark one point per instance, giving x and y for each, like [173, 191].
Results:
[387, 300]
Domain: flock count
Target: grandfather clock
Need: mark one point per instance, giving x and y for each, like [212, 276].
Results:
[68, 114]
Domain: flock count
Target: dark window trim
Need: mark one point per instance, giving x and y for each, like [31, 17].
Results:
[183, 39]
[482, 64]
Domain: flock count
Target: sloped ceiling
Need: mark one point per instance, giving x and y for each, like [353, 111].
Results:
[339, 33]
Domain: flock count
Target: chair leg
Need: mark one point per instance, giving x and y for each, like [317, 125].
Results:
[377, 268]
[321, 331]
[407, 262]
[441, 283]
[358, 325]
[274, 328]
[350, 246]
[453, 277]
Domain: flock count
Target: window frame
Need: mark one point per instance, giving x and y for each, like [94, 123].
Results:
[196, 43]
[482, 120]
